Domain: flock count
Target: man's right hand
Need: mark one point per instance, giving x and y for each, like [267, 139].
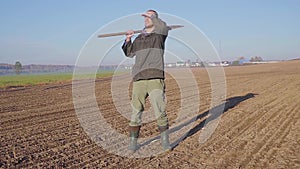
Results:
[129, 34]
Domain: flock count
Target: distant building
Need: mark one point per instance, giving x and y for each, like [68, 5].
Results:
[223, 63]
[180, 64]
[196, 64]
[169, 65]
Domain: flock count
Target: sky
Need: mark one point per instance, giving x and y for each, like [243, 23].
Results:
[56, 31]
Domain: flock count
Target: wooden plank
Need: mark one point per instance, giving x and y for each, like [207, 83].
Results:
[171, 27]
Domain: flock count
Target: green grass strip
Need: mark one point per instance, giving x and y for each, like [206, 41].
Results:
[36, 79]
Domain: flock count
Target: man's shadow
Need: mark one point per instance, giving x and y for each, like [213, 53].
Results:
[213, 113]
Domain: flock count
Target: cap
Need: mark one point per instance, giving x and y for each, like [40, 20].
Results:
[150, 13]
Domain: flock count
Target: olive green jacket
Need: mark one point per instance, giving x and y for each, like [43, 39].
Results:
[148, 49]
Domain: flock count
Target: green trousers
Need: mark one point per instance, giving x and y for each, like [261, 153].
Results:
[155, 89]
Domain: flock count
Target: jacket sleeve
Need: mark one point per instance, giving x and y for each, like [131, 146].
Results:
[128, 49]
[160, 26]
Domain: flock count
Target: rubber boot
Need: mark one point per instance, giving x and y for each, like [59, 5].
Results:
[133, 135]
[164, 138]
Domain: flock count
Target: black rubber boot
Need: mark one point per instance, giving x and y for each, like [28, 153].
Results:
[164, 138]
[133, 134]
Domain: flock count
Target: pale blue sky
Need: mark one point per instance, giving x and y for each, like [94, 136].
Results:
[54, 31]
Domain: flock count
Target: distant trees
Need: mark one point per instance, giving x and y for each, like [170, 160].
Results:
[18, 67]
[243, 61]
[256, 59]
[241, 58]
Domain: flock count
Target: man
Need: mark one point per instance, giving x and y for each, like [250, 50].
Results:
[148, 76]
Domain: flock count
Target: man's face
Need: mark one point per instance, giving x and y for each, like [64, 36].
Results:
[148, 21]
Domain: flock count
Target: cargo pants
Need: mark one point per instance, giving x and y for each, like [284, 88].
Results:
[155, 89]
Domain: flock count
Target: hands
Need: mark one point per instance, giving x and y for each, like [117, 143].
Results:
[129, 34]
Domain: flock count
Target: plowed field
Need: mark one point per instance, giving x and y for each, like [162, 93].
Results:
[260, 126]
